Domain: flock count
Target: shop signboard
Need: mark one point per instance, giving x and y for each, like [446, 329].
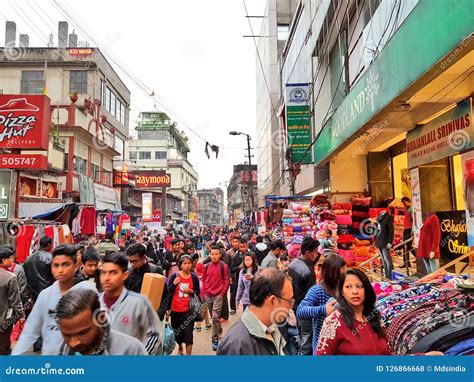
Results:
[298, 122]
[147, 207]
[396, 68]
[5, 182]
[453, 234]
[446, 135]
[80, 52]
[468, 175]
[152, 179]
[24, 121]
[416, 205]
[157, 216]
[24, 161]
[86, 190]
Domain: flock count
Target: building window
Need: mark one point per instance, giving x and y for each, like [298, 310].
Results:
[102, 92]
[113, 104]
[144, 155]
[107, 178]
[32, 82]
[108, 95]
[78, 81]
[161, 154]
[95, 172]
[282, 32]
[132, 155]
[80, 165]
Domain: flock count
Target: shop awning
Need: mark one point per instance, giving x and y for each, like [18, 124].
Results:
[38, 210]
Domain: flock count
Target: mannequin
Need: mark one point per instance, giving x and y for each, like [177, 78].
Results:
[384, 241]
[430, 238]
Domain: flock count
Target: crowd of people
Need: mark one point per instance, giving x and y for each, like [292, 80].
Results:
[85, 298]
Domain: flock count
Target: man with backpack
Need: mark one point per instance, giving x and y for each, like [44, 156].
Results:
[215, 283]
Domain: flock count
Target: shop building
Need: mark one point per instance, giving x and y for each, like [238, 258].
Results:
[161, 146]
[242, 193]
[89, 107]
[390, 101]
[211, 207]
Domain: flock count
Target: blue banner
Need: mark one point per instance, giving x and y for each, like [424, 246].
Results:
[238, 369]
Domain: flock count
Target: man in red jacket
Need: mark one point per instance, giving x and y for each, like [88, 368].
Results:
[215, 283]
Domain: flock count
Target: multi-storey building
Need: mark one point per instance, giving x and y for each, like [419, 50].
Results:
[242, 192]
[161, 146]
[211, 206]
[89, 120]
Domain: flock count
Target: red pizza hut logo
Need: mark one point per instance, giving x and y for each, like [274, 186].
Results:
[24, 122]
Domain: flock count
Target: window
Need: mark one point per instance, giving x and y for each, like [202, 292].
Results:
[102, 92]
[78, 81]
[107, 178]
[80, 165]
[144, 155]
[32, 82]
[113, 101]
[132, 155]
[108, 95]
[282, 32]
[160, 154]
[95, 172]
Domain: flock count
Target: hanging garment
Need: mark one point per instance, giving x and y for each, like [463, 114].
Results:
[23, 242]
[49, 231]
[109, 223]
[67, 234]
[61, 238]
[88, 221]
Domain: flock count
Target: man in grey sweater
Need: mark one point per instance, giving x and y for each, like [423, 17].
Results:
[128, 312]
[11, 308]
[85, 328]
[277, 247]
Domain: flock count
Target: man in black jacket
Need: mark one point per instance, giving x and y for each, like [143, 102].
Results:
[38, 268]
[303, 276]
[235, 267]
[140, 266]
[257, 333]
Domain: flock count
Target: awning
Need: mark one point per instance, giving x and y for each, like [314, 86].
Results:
[38, 210]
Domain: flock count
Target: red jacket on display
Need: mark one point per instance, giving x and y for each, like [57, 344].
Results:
[430, 237]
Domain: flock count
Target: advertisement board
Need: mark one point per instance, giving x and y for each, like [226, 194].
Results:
[24, 121]
[152, 179]
[24, 161]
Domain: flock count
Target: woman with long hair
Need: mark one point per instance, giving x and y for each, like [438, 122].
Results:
[320, 300]
[246, 275]
[354, 328]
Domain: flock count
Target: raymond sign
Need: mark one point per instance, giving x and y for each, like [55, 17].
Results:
[449, 134]
[24, 161]
[24, 121]
[152, 179]
[80, 52]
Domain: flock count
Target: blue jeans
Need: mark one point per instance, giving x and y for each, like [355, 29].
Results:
[387, 262]
[431, 265]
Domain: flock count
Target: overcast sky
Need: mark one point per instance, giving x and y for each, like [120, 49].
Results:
[191, 53]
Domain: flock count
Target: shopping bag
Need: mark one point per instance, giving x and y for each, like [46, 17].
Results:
[169, 342]
[195, 308]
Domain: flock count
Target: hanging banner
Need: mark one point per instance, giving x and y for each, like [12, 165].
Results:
[147, 207]
[446, 135]
[24, 121]
[298, 122]
[416, 205]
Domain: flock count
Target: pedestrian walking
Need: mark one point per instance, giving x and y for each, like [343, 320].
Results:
[277, 248]
[246, 275]
[182, 286]
[215, 284]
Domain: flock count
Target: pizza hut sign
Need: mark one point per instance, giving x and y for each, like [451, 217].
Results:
[24, 121]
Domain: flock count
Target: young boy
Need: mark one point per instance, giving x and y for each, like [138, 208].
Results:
[128, 312]
[215, 283]
[11, 308]
[89, 270]
[42, 319]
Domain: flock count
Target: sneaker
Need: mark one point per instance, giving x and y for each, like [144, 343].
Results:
[215, 345]
[198, 329]
[232, 312]
[208, 327]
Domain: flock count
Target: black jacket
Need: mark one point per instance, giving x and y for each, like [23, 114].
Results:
[80, 277]
[38, 272]
[246, 337]
[135, 281]
[235, 263]
[385, 230]
[303, 278]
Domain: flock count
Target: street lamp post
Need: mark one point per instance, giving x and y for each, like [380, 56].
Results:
[252, 201]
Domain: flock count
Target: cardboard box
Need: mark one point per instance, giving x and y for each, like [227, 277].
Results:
[152, 287]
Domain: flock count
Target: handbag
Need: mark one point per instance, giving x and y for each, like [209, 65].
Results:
[169, 341]
[195, 308]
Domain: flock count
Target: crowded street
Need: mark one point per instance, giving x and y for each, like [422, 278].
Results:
[278, 178]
